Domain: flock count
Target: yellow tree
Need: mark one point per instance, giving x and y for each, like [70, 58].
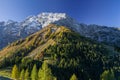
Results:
[34, 73]
[107, 75]
[22, 74]
[73, 77]
[15, 72]
[45, 73]
[26, 77]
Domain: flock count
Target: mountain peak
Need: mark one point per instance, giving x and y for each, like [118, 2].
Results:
[51, 14]
[10, 22]
[46, 18]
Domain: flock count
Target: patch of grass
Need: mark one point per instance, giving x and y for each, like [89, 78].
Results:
[5, 72]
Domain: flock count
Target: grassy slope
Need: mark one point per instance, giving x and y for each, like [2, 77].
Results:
[35, 40]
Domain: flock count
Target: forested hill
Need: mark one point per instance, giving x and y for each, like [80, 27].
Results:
[65, 51]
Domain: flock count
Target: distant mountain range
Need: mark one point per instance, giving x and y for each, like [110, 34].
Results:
[11, 31]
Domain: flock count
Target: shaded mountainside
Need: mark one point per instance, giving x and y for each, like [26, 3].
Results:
[65, 51]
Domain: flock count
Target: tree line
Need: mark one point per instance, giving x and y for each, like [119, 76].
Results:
[43, 73]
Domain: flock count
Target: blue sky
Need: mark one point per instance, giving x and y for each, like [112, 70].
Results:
[101, 12]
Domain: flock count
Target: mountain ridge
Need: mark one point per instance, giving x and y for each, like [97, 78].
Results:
[12, 30]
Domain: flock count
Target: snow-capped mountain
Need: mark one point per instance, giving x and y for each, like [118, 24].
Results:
[12, 30]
